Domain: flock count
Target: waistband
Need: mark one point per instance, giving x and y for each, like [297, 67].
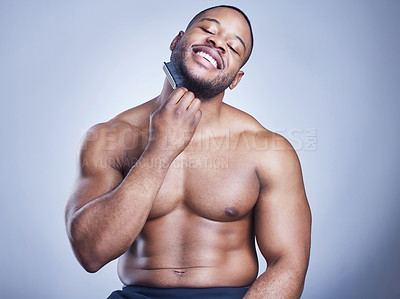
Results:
[193, 293]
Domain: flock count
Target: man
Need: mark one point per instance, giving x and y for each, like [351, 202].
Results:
[179, 187]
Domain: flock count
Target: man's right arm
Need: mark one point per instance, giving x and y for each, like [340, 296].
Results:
[106, 212]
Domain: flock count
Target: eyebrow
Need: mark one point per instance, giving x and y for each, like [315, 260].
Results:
[218, 22]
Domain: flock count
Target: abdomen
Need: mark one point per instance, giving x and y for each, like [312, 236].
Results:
[182, 249]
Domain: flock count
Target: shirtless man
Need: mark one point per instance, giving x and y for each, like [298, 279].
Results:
[179, 187]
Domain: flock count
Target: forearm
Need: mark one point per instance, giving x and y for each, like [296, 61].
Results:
[281, 280]
[104, 228]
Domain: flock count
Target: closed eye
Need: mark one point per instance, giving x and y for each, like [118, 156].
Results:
[233, 50]
[205, 30]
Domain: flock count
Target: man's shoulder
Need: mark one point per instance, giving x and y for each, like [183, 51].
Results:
[136, 118]
[268, 146]
[121, 132]
[246, 125]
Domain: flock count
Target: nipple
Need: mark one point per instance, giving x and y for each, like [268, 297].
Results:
[231, 212]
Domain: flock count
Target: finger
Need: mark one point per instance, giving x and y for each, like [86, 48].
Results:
[194, 105]
[197, 118]
[176, 95]
[186, 99]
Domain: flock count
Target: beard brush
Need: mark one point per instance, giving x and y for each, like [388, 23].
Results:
[172, 74]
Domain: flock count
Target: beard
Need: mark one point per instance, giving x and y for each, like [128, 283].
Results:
[202, 88]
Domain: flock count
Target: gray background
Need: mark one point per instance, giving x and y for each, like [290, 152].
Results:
[325, 74]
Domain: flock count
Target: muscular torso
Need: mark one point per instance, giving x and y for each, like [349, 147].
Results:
[200, 231]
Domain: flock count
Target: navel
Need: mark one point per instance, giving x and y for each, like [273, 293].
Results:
[179, 271]
[231, 212]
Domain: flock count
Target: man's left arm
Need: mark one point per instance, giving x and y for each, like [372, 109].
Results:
[282, 224]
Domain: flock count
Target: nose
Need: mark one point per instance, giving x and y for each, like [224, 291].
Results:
[217, 42]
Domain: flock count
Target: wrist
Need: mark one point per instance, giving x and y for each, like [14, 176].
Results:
[156, 157]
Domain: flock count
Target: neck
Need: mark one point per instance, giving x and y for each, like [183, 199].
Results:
[210, 108]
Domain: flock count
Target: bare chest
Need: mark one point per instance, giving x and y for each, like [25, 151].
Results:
[217, 185]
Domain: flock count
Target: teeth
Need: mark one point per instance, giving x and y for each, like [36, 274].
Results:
[209, 58]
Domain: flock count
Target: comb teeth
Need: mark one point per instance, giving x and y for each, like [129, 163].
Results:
[172, 75]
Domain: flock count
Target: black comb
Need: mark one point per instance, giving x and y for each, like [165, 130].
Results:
[172, 74]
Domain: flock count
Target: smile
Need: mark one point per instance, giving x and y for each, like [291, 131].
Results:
[211, 55]
[209, 58]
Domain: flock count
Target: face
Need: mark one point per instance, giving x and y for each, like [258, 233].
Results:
[211, 52]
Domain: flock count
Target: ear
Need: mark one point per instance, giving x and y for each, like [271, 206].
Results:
[176, 39]
[237, 79]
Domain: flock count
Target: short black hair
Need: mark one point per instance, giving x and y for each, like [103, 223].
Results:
[232, 7]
